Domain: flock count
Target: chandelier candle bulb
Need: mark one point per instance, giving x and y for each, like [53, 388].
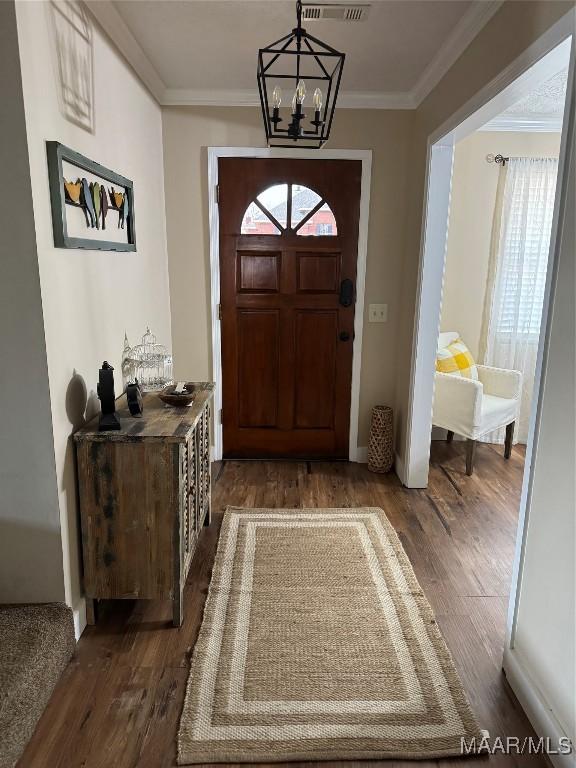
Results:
[317, 100]
[277, 97]
[276, 102]
[300, 92]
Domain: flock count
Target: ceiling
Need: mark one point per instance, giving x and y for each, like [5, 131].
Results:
[545, 99]
[541, 109]
[204, 51]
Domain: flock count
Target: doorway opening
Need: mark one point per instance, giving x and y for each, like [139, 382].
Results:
[298, 222]
[489, 112]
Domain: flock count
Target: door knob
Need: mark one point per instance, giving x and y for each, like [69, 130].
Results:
[344, 336]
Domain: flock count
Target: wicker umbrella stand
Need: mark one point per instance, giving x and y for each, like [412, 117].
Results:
[380, 446]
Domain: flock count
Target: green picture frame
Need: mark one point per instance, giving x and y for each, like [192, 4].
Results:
[58, 153]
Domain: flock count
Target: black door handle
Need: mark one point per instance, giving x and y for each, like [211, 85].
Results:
[344, 336]
[346, 293]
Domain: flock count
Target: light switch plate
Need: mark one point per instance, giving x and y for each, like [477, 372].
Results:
[377, 313]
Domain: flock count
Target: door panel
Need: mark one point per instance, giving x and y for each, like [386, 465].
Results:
[288, 237]
[258, 272]
[258, 347]
[316, 335]
[318, 272]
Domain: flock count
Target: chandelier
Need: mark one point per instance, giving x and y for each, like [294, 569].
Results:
[298, 64]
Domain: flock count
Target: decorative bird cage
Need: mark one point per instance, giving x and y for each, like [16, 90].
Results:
[148, 362]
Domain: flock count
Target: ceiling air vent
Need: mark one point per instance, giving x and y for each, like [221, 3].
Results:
[335, 12]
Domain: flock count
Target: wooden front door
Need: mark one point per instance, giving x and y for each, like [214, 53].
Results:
[288, 250]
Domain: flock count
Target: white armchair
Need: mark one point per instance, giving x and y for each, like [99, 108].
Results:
[472, 408]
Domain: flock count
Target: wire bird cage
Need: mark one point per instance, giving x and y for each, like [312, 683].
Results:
[148, 362]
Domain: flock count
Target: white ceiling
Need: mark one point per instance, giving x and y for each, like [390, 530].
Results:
[204, 51]
[541, 109]
[545, 99]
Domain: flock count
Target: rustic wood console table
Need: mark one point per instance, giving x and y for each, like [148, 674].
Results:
[144, 496]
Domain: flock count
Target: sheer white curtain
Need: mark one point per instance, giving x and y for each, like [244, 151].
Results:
[521, 242]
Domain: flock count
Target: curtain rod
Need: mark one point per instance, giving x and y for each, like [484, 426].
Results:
[499, 159]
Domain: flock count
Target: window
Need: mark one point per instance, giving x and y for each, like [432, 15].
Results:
[517, 275]
[520, 280]
[309, 214]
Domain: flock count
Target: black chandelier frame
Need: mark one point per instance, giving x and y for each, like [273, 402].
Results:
[304, 47]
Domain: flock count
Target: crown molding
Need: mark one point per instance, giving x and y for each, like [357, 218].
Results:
[119, 33]
[376, 100]
[121, 36]
[249, 98]
[473, 21]
[190, 97]
[525, 123]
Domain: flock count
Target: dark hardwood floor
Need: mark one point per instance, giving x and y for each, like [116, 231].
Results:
[119, 701]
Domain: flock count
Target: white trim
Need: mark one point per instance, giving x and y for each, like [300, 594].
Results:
[365, 156]
[362, 454]
[250, 98]
[473, 21]
[434, 239]
[79, 618]
[189, 97]
[457, 41]
[534, 704]
[525, 123]
[121, 36]
[376, 100]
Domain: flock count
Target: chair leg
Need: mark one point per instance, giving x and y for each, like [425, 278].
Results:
[449, 436]
[470, 453]
[509, 438]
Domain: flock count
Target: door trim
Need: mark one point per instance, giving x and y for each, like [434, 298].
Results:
[365, 156]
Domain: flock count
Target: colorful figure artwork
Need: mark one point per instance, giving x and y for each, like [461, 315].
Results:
[96, 201]
[104, 201]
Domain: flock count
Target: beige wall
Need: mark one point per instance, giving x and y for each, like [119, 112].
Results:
[187, 134]
[90, 298]
[30, 542]
[474, 183]
[491, 51]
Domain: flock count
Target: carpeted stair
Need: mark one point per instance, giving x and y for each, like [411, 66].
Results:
[36, 643]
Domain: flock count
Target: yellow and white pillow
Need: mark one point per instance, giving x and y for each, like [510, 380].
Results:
[456, 359]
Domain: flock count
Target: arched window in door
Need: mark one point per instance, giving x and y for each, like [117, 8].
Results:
[293, 207]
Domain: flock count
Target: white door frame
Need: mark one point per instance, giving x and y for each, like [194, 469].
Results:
[365, 156]
[501, 92]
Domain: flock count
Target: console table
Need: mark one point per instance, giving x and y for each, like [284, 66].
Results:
[144, 496]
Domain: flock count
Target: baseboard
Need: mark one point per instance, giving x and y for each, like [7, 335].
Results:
[79, 614]
[537, 709]
[361, 455]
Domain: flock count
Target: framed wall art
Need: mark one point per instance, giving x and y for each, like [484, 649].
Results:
[92, 207]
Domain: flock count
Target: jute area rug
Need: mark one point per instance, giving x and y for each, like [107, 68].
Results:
[317, 643]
